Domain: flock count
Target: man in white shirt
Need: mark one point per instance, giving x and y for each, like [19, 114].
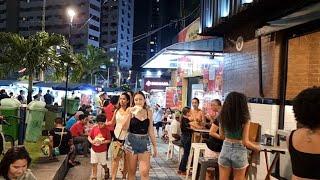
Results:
[175, 127]
[157, 118]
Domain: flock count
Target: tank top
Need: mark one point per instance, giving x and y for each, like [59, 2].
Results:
[233, 135]
[117, 130]
[304, 165]
[139, 127]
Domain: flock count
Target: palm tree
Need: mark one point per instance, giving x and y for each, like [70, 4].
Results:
[36, 52]
[90, 63]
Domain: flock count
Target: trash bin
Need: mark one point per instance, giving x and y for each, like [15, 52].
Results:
[35, 118]
[9, 109]
[72, 105]
[52, 113]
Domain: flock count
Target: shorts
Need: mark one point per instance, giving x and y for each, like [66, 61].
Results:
[137, 143]
[233, 155]
[98, 157]
[158, 125]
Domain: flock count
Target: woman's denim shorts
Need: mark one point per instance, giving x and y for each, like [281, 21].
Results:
[137, 143]
[233, 155]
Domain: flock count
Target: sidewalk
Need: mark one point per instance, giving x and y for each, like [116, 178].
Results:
[161, 169]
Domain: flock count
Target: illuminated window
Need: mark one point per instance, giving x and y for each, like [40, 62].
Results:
[151, 42]
[246, 1]
[225, 7]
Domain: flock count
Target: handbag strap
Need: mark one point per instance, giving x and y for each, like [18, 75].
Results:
[61, 136]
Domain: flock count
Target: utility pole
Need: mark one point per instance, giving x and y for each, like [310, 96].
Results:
[183, 23]
[118, 69]
[43, 28]
[43, 22]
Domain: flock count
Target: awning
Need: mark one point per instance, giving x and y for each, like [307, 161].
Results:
[167, 57]
[305, 15]
[46, 84]
[73, 87]
[7, 82]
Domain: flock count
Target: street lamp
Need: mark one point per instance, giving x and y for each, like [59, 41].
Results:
[108, 82]
[119, 73]
[71, 13]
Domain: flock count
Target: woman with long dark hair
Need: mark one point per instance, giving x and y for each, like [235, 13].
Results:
[234, 129]
[120, 115]
[14, 165]
[130, 93]
[304, 147]
[137, 144]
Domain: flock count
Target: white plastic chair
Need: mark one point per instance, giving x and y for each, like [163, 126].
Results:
[195, 151]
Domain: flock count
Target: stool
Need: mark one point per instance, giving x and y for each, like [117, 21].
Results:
[205, 163]
[196, 149]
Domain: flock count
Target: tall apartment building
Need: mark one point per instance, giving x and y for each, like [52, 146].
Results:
[117, 31]
[25, 17]
[3, 15]
[154, 14]
[9, 15]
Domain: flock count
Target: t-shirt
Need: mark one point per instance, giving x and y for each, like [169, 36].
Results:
[56, 134]
[185, 127]
[109, 110]
[48, 98]
[175, 127]
[157, 116]
[213, 143]
[97, 132]
[71, 122]
[77, 129]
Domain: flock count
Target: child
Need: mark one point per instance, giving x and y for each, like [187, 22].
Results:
[186, 134]
[99, 137]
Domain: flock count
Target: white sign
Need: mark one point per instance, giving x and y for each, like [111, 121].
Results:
[151, 83]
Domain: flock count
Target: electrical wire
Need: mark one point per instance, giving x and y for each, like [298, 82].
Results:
[147, 34]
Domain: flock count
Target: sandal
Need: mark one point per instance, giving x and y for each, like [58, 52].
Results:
[106, 174]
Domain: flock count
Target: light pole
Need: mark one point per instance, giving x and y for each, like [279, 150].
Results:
[108, 82]
[71, 13]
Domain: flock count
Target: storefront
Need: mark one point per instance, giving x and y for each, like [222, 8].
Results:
[196, 64]
[156, 87]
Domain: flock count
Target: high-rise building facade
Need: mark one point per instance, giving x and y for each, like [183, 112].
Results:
[154, 15]
[26, 18]
[117, 31]
[3, 15]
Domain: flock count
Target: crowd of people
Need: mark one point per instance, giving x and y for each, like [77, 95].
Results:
[127, 123]
[21, 97]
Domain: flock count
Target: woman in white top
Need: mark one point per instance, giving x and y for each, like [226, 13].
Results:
[119, 116]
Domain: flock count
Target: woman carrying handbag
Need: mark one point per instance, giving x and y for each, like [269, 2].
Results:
[119, 116]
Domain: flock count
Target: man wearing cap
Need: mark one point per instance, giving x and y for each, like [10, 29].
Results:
[73, 120]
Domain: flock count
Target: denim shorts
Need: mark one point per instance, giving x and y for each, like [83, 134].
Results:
[137, 143]
[233, 155]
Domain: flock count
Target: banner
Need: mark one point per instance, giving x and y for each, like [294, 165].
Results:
[174, 97]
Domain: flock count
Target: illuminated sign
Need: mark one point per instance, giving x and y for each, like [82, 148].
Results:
[152, 83]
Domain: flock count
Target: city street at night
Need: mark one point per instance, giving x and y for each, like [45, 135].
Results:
[159, 89]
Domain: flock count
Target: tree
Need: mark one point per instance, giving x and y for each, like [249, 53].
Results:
[90, 63]
[38, 51]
